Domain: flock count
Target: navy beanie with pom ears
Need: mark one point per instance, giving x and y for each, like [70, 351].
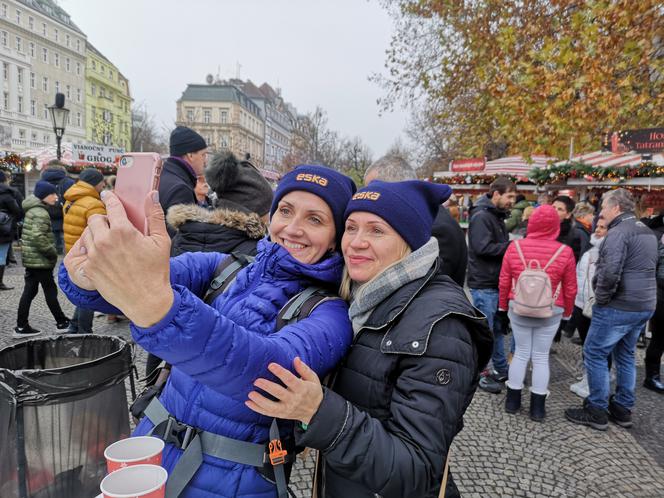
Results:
[409, 207]
[333, 187]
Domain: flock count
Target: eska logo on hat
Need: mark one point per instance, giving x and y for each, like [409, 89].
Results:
[367, 196]
[308, 177]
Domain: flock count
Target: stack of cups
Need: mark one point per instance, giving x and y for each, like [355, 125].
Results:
[134, 469]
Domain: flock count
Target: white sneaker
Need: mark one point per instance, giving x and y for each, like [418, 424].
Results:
[581, 388]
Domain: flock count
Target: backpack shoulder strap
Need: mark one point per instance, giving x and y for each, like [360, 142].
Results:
[302, 304]
[225, 273]
[520, 252]
[555, 255]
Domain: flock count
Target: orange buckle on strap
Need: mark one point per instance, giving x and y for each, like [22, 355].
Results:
[277, 454]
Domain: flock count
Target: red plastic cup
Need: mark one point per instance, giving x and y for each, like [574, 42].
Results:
[133, 451]
[137, 481]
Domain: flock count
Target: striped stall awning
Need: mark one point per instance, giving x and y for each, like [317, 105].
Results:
[605, 159]
[516, 165]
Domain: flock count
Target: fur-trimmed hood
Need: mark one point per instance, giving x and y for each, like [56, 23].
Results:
[250, 223]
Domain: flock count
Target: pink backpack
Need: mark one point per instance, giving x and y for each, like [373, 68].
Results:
[533, 295]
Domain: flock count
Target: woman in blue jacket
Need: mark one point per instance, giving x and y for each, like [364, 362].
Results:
[218, 350]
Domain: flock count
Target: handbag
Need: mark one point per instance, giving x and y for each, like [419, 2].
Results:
[5, 224]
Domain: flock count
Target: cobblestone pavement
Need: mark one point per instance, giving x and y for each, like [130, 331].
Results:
[496, 455]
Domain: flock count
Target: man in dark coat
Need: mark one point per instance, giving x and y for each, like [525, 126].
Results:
[571, 234]
[487, 242]
[56, 174]
[188, 157]
[625, 298]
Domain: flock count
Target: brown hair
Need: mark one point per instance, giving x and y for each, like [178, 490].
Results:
[502, 185]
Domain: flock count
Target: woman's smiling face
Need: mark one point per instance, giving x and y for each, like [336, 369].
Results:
[303, 224]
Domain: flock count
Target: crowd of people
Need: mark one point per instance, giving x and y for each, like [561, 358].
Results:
[325, 316]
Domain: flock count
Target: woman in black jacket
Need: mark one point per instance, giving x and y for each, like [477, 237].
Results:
[239, 219]
[11, 214]
[396, 402]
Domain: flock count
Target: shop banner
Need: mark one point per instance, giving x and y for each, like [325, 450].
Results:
[93, 153]
[467, 165]
[644, 141]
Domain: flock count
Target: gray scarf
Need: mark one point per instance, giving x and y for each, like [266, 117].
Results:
[367, 296]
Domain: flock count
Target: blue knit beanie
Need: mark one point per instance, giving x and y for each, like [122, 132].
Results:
[43, 189]
[409, 207]
[330, 185]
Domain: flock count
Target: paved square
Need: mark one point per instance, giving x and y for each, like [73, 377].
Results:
[496, 455]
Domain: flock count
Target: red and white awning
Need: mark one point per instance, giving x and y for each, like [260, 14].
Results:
[605, 159]
[516, 165]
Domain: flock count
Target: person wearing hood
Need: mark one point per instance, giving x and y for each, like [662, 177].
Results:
[56, 174]
[82, 201]
[218, 346]
[385, 424]
[12, 210]
[533, 336]
[487, 242]
[239, 219]
[39, 258]
[585, 297]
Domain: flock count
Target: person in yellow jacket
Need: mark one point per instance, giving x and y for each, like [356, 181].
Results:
[82, 200]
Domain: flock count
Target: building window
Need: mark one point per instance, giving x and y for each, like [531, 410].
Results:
[21, 134]
[93, 90]
[57, 87]
[67, 64]
[190, 115]
[56, 59]
[78, 119]
[45, 55]
[78, 45]
[78, 95]
[3, 38]
[45, 114]
[78, 69]
[68, 92]
[32, 49]
[19, 75]
[224, 117]
[102, 70]
[4, 10]
[44, 33]
[5, 71]
[102, 93]
[20, 103]
[110, 74]
[31, 23]
[94, 65]
[67, 40]
[206, 116]
[6, 100]
[45, 84]
[45, 137]
[32, 80]
[33, 136]
[19, 44]
[33, 110]
[18, 17]
[224, 141]
[56, 35]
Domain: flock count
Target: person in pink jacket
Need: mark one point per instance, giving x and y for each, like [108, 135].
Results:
[533, 336]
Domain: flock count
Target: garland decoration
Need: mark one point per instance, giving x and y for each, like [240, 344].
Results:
[481, 179]
[16, 164]
[563, 172]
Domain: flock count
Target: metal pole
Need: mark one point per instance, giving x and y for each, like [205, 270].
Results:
[58, 151]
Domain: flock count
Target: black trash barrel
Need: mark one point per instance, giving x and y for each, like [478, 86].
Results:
[62, 401]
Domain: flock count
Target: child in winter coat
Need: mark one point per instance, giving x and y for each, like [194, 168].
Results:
[39, 258]
[533, 336]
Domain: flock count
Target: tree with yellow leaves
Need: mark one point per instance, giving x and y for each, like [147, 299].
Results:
[532, 74]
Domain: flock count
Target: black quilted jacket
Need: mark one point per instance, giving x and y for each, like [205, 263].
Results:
[397, 400]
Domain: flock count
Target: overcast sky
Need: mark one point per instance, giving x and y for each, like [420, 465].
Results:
[318, 52]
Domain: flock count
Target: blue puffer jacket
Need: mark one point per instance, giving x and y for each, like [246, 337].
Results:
[218, 351]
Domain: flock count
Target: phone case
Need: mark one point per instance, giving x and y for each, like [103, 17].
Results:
[138, 174]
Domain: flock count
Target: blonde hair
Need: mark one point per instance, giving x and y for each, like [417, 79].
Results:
[346, 287]
[527, 212]
[583, 209]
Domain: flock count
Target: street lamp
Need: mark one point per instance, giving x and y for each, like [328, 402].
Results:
[59, 115]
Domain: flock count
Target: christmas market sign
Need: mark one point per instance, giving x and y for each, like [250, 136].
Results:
[93, 153]
[466, 165]
[647, 140]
